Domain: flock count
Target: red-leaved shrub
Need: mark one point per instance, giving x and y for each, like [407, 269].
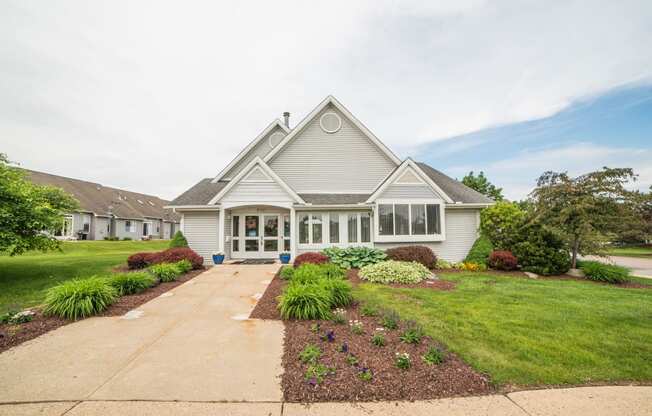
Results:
[311, 257]
[502, 260]
[171, 255]
[420, 254]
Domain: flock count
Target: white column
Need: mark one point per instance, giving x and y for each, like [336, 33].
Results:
[293, 233]
[220, 235]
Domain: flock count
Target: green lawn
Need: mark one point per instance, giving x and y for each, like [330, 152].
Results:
[24, 279]
[530, 332]
[633, 251]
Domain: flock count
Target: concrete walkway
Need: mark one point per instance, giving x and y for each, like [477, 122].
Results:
[590, 401]
[184, 345]
[640, 266]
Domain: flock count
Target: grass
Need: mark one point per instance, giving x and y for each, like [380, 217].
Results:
[24, 279]
[532, 332]
[631, 251]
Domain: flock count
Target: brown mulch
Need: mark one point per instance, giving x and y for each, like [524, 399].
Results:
[13, 335]
[266, 306]
[437, 284]
[422, 381]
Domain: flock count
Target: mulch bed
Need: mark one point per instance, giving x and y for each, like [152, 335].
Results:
[13, 335]
[266, 306]
[422, 381]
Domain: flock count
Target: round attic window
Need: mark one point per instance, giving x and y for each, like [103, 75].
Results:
[275, 139]
[330, 122]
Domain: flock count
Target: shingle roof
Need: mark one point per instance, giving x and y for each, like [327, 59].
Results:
[104, 200]
[334, 199]
[454, 189]
[200, 194]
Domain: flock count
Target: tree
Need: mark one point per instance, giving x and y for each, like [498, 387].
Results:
[481, 184]
[179, 240]
[28, 211]
[585, 209]
[500, 223]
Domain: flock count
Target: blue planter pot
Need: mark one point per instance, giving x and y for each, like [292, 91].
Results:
[285, 258]
[218, 258]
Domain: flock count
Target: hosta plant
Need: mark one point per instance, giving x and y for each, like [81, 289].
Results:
[79, 298]
[394, 272]
[132, 282]
[354, 257]
[14, 317]
[184, 266]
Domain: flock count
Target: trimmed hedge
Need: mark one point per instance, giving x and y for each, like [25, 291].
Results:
[419, 254]
[600, 272]
[171, 255]
[502, 260]
[311, 257]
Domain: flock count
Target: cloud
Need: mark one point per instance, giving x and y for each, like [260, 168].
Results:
[153, 96]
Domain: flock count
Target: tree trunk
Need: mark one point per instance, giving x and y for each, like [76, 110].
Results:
[576, 247]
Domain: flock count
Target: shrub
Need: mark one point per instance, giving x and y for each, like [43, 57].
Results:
[480, 251]
[500, 222]
[79, 298]
[470, 266]
[443, 264]
[178, 240]
[127, 239]
[354, 257]
[339, 292]
[140, 260]
[305, 301]
[600, 272]
[310, 257]
[171, 255]
[167, 272]
[391, 271]
[433, 356]
[130, 283]
[502, 260]
[419, 254]
[541, 250]
[378, 340]
[287, 272]
[184, 266]
[310, 354]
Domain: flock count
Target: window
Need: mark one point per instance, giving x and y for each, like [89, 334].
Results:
[304, 229]
[129, 226]
[353, 228]
[365, 227]
[409, 219]
[334, 227]
[316, 229]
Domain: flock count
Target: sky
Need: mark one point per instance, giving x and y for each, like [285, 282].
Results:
[152, 96]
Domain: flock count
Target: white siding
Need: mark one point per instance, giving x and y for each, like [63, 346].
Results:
[260, 149]
[101, 224]
[345, 161]
[461, 233]
[259, 192]
[201, 231]
[397, 191]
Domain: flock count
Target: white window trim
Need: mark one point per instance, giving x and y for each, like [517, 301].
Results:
[343, 230]
[410, 238]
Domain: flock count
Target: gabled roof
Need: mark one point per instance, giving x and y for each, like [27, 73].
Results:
[250, 147]
[199, 194]
[333, 101]
[455, 189]
[399, 171]
[106, 201]
[256, 163]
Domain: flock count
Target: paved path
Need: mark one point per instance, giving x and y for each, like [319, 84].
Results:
[640, 266]
[589, 401]
[185, 346]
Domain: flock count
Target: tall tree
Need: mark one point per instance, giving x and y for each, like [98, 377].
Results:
[481, 184]
[28, 211]
[585, 209]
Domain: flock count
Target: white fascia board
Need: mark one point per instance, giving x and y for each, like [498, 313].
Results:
[193, 207]
[469, 205]
[332, 100]
[250, 146]
[409, 163]
[257, 161]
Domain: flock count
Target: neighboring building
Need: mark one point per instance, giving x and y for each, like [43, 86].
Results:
[109, 212]
[327, 182]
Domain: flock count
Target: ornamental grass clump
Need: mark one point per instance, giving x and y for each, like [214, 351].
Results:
[433, 356]
[132, 282]
[79, 298]
[339, 290]
[392, 271]
[167, 272]
[287, 272]
[307, 273]
[608, 273]
[305, 301]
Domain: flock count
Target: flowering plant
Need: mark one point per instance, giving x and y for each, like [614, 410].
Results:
[356, 327]
[403, 361]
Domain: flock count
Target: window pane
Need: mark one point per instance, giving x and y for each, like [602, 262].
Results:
[418, 219]
[365, 227]
[434, 220]
[386, 219]
[286, 245]
[251, 245]
[401, 213]
[353, 228]
[303, 229]
[235, 245]
[271, 225]
[286, 225]
[236, 226]
[270, 245]
[251, 226]
[334, 227]
[316, 229]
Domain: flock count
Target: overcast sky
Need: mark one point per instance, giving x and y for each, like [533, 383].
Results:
[152, 96]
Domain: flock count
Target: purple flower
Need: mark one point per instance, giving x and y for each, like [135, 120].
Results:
[312, 381]
[345, 347]
[330, 335]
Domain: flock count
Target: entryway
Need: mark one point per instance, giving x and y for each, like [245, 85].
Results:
[259, 235]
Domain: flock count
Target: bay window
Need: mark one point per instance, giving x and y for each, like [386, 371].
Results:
[334, 228]
[409, 221]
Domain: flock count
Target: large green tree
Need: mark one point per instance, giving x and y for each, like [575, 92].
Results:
[585, 209]
[481, 184]
[28, 211]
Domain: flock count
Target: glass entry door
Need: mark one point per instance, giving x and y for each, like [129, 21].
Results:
[259, 235]
[251, 233]
[270, 234]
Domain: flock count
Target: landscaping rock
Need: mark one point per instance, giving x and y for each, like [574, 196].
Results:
[531, 275]
[576, 273]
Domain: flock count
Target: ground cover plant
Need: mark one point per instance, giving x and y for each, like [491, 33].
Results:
[391, 271]
[79, 298]
[132, 282]
[354, 257]
[600, 272]
[25, 279]
[419, 254]
[531, 332]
